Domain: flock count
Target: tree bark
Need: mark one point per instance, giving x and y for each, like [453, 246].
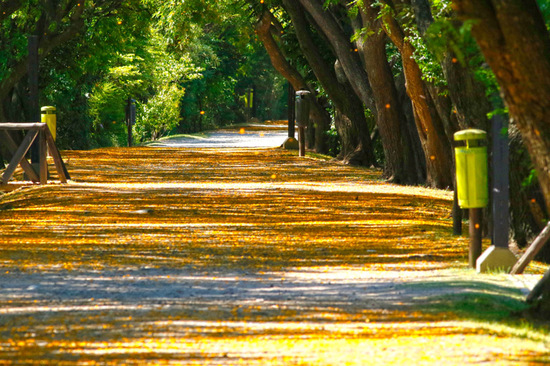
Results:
[280, 63]
[513, 38]
[400, 162]
[351, 64]
[357, 146]
[470, 103]
[431, 131]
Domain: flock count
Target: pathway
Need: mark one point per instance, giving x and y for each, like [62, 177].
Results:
[207, 256]
[252, 135]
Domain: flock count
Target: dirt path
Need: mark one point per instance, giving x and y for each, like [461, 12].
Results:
[245, 256]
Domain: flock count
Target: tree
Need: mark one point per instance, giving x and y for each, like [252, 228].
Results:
[516, 44]
[399, 166]
[356, 144]
[390, 114]
[54, 22]
[219, 38]
[265, 28]
[430, 128]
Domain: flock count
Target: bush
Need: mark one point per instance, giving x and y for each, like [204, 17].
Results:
[160, 114]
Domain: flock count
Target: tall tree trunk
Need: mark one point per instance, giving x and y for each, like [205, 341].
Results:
[357, 146]
[319, 115]
[516, 44]
[352, 134]
[390, 116]
[407, 108]
[435, 143]
[344, 50]
[358, 78]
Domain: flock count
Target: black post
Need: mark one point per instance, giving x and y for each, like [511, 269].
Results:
[130, 118]
[254, 102]
[33, 92]
[501, 179]
[302, 119]
[476, 217]
[301, 141]
[291, 111]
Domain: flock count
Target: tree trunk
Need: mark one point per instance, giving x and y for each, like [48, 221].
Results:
[409, 122]
[263, 29]
[353, 135]
[47, 42]
[514, 39]
[515, 42]
[351, 64]
[435, 143]
[357, 147]
[391, 121]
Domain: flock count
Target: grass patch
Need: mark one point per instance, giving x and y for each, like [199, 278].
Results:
[490, 307]
[480, 306]
[318, 156]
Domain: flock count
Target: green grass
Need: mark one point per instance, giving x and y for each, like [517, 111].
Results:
[491, 307]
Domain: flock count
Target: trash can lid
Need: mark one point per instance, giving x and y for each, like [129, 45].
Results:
[48, 109]
[470, 134]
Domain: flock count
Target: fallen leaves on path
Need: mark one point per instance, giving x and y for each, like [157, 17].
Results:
[237, 256]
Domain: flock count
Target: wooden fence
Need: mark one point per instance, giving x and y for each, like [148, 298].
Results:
[45, 143]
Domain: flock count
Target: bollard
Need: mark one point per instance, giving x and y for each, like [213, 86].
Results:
[49, 117]
[302, 118]
[130, 118]
[472, 183]
[291, 143]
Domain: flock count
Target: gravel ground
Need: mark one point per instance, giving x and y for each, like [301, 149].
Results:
[235, 256]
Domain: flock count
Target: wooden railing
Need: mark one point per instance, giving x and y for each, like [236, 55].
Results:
[45, 143]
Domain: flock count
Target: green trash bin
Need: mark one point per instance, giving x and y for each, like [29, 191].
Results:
[471, 168]
[49, 117]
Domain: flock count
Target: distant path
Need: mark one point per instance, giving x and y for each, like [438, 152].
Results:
[252, 136]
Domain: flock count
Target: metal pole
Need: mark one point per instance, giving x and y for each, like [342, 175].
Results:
[476, 217]
[130, 118]
[291, 111]
[302, 140]
[302, 119]
[501, 180]
[254, 102]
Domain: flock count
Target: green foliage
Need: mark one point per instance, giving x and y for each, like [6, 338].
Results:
[334, 142]
[430, 66]
[544, 6]
[105, 109]
[220, 41]
[445, 37]
[161, 113]
[176, 58]
[531, 180]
